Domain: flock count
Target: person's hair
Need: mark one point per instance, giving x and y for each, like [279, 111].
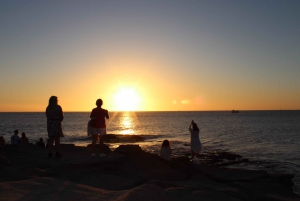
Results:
[165, 143]
[99, 102]
[16, 131]
[41, 140]
[52, 102]
[195, 127]
[1, 137]
[23, 134]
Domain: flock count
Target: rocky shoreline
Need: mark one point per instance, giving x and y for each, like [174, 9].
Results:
[129, 173]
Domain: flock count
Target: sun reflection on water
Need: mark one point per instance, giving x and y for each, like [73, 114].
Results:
[127, 124]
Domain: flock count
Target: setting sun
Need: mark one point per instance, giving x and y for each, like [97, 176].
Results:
[127, 99]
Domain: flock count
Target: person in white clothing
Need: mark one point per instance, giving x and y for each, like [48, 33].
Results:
[165, 150]
[15, 138]
[196, 145]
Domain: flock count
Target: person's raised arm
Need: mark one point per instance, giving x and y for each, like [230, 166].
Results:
[190, 127]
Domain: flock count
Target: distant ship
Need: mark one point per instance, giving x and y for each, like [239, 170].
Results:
[235, 111]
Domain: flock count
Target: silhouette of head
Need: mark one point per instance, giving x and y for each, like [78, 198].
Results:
[53, 100]
[16, 132]
[99, 102]
[23, 134]
[41, 140]
[165, 143]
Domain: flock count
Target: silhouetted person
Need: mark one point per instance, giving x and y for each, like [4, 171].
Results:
[2, 141]
[47, 144]
[99, 128]
[55, 116]
[15, 138]
[196, 145]
[23, 140]
[41, 143]
[165, 150]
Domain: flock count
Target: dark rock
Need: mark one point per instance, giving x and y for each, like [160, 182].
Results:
[180, 162]
[285, 179]
[66, 146]
[129, 149]
[105, 147]
[4, 162]
[129, 173]
[263, 190]
[232, 162]
[147, 192]
[122, 138]
[224, 155]
[110, 138]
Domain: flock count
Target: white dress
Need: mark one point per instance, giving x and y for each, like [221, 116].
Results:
[165, 153]
[196, 145]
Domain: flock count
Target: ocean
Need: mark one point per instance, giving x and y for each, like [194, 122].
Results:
[269, 139]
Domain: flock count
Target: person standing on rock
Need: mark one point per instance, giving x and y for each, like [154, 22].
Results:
[196, 145]
[98, 116]
[54, 116]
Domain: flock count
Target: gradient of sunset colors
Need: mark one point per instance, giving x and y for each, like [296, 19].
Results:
[150, 55]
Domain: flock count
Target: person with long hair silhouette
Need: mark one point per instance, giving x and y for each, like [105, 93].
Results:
[196, 145]
[54, 116]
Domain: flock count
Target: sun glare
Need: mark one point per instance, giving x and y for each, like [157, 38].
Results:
[127, 100]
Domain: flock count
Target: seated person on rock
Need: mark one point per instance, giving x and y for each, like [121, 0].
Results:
[41, 143]
[2, 141]
[165, 151]
[15, 138]
[23, 140]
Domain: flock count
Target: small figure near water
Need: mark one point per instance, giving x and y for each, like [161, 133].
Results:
[196, 145]
[99, 127]
[24, 139]
[41, 143]
[15, 138]
[54, 116]
[165, 150]
[47, 144]
[2, 141]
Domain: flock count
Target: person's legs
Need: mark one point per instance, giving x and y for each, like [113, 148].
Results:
[101, 146]
[57, 147]
[57, 143]
[50, 146]
[193, 154]
[95, 138]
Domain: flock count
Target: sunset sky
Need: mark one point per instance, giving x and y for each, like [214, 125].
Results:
[150, 55]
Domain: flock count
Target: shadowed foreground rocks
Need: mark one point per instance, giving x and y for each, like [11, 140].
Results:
[129, 173]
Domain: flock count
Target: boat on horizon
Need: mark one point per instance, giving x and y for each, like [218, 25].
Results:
[235, 111]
